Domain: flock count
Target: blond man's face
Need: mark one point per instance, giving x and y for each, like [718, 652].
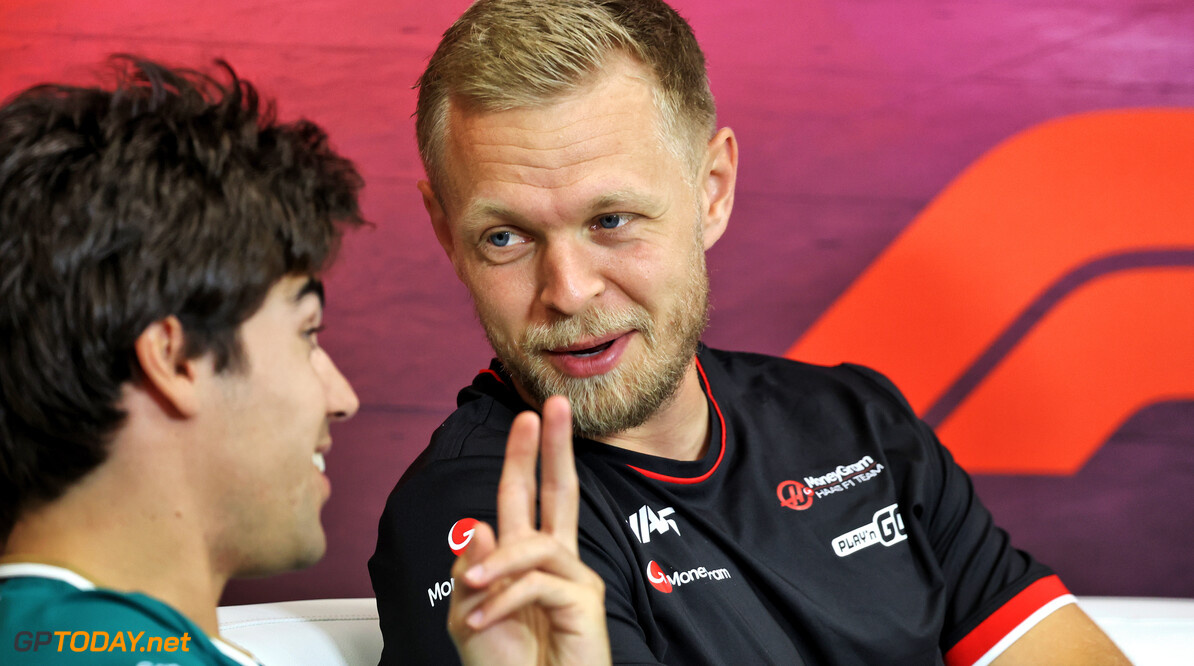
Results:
[579, 235]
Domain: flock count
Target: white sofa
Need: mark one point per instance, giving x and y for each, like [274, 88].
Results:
[1152, 632]
[344, 632]
[316, 632]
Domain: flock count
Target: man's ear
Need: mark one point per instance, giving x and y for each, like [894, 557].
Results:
[439, 221]
[719, 171]
[161, 352]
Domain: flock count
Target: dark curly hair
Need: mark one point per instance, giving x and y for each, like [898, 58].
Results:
[169, 194]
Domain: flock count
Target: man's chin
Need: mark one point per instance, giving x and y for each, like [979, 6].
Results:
[300, 555]
[606, 408]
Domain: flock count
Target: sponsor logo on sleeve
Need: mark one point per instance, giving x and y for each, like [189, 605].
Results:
[441, 591]
[461, 535]
[646, 520]
[666, 583]
[886, 527]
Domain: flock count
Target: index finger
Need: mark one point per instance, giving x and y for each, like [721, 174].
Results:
[516, 488]
[559, 488]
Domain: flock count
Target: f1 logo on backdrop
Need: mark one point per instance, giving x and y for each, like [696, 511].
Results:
[1042, 298]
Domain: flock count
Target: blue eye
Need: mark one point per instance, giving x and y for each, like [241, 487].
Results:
[612, 220]
[505, 238]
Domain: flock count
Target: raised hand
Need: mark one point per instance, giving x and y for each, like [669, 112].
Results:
[528, 599]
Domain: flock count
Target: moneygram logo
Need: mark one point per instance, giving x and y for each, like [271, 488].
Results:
[794, 495]
[843, 477]
[657, 578]
[886, 527]
[461, 535]
[665, 583]
[441, 591]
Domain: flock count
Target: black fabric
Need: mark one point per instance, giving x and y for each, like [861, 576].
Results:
[773, 589]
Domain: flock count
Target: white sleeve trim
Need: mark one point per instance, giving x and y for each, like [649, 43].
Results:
[1022, 628]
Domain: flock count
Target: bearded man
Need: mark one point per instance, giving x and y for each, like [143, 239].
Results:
[575, 179]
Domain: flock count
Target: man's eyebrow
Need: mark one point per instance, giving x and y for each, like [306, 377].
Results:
[311, 286]
[485, 210]
[629, 199]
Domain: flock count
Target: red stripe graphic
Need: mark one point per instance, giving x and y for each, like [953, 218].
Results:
[1040, 207]
[1099, 357]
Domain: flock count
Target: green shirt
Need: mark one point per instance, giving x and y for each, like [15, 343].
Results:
[51, 615]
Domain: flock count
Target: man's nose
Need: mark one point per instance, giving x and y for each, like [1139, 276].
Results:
[343, 402]
[570, 277]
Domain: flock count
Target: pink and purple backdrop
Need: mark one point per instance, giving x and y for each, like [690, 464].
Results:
[852, 116]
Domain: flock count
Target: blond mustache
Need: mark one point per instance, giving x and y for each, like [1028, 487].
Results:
[588, 324]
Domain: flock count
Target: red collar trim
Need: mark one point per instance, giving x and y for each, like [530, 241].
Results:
[496, 376]
[721, 419]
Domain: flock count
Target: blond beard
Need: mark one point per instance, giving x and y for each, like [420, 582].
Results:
[627, 396]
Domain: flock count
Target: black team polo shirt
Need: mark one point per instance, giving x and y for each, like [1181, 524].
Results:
[824, 525]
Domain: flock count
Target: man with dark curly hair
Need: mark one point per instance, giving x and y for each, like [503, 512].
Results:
[165, 406]
[164, 401]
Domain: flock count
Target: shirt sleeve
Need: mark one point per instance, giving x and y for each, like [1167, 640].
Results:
[425, 519]
[995, 592]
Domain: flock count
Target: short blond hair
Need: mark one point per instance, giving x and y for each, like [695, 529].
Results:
[509, 54]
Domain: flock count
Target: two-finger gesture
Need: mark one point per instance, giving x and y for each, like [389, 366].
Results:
[528, 598]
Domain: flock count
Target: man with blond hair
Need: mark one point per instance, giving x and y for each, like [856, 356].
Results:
[740, 508]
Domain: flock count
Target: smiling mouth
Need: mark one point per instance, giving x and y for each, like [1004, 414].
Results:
[317, 459]
[591, 351]
[577, 351]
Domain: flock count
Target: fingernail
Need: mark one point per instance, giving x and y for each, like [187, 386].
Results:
[474, 619]
[475, 574]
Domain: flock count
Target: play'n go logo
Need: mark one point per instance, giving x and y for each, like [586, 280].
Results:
[461, 535]
[886, 527]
